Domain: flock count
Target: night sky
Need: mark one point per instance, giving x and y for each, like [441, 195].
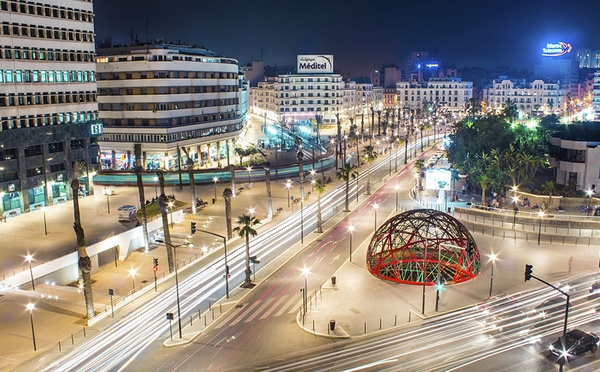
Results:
[361, 35]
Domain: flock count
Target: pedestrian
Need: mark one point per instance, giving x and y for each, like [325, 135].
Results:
[570, 264]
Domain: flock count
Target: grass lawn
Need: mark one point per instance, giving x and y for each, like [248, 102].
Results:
[153, 209]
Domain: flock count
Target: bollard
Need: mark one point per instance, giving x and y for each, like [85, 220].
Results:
[503, 234]
[72, 340]
[380, 324]
[199, 314]
[84, 332]
[59, 348]
[205, 321]
[409, 316]
[191, 320]
[220, 308]
[395, 320]
[332, 324]
[313, 325]
[365, 327]
[209, 304]
[493, 232]
[213, 314]
[333, 280]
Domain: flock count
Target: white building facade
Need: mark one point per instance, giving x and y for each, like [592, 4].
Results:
[596, 96]
[166, 97]
[48, 108]
[528, 97]
[450, 92]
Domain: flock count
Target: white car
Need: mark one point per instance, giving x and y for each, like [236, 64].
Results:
[106, 191]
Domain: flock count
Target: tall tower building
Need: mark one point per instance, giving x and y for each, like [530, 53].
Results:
[48, 109]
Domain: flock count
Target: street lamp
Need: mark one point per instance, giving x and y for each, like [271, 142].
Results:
[107, 200]
[515, 209]
[351, 229]
[30, 307]
[251, 211]
[249, 169]
[541, 214]
[375, 206]
[397, 188]
[155, 186]
[215, 179]
[28, 258]
[589, 193]
[171, 208]
[288, 185]
[132, 272]
[177, 278]
[493, 260]
[45, 226]
[305, 271]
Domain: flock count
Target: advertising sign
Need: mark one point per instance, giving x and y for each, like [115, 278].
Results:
[310, 64]
[556, 49]
[438, 179]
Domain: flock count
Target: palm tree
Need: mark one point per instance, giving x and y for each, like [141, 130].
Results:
[232, 171]
[227, 195]
[550, 189]
[370, 156]
[267, 168]
[245, 229]
[484, 182]
[420, 164]
[137, 150]
[190, 164]
[510, 110]
[163, 203]
[84, 263]
[345, 173]
[398, 143]
[319, 189]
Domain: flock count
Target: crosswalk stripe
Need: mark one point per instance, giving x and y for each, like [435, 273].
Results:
[286, 305]
[296, 306]
[244, 313]
[275, 306]
[257, 312]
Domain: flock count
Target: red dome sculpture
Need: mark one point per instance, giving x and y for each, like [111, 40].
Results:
[420, 245]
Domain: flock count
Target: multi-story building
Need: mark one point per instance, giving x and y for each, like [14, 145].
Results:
[588, 58]
[390, 98]
[596, 96]
[165, 97]
[386, 76]
[450, 92]
[48, 109]
[535, 96]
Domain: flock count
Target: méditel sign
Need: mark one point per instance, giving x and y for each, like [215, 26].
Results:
[310, 64]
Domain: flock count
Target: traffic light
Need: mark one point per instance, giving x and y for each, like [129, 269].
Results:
[528, 272]
[192, 228]
[155, 261]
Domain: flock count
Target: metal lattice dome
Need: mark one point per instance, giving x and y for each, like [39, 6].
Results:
[419, 245]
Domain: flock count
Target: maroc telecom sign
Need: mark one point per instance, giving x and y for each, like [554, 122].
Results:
[556, 49]
[310, 64]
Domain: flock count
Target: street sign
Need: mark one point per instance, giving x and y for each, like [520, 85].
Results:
[170, 316]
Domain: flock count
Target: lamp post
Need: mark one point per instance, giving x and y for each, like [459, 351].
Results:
[215, 179]
[515, 209]
[375, 206]
[45, 226]
[288, 185]
[305, 271]
[30, 307]
[155, 186]
[397, 188]
[249, 169]
[312, 173]
[107, 200]
[589, 193]
[439, 284]
[493, 260]
[177, 279]
[171, 209]
[541, 214]
[28, 258]
[132, 272]
[351, 229]
[390, 155]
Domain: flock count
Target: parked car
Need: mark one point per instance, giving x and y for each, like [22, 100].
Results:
[127, 213]
[577, 342]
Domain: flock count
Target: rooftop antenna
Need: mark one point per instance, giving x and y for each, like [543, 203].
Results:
[147, 41]
[261, 54]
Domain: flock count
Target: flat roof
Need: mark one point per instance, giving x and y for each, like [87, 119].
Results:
[586, 131]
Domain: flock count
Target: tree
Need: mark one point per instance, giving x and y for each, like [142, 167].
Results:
[549, 188]
[84, 263]
[319, 189]
[345, 173]
[227, 195]
[190, 165]
[484, 182]
[137, 150]
[245, 229]
[510, 110]
[163, 204]
[370, 155]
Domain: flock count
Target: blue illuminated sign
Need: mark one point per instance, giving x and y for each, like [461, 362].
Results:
[556, 49]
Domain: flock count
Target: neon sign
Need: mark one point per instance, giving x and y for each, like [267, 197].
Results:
[556, 49]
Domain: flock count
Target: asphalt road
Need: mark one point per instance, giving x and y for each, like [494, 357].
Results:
[140, 333]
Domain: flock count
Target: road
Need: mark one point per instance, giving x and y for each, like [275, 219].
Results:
[141, 331]
[465, 340]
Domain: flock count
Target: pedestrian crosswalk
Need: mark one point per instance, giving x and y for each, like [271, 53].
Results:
[262, 309]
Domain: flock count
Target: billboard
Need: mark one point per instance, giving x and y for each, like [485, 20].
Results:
[310, 64]
[438, 179]
[556, 49]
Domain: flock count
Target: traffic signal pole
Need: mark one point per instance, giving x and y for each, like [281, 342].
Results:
[225, 255]
[529, 275]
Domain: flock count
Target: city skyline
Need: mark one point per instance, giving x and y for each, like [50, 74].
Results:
[361, 36]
